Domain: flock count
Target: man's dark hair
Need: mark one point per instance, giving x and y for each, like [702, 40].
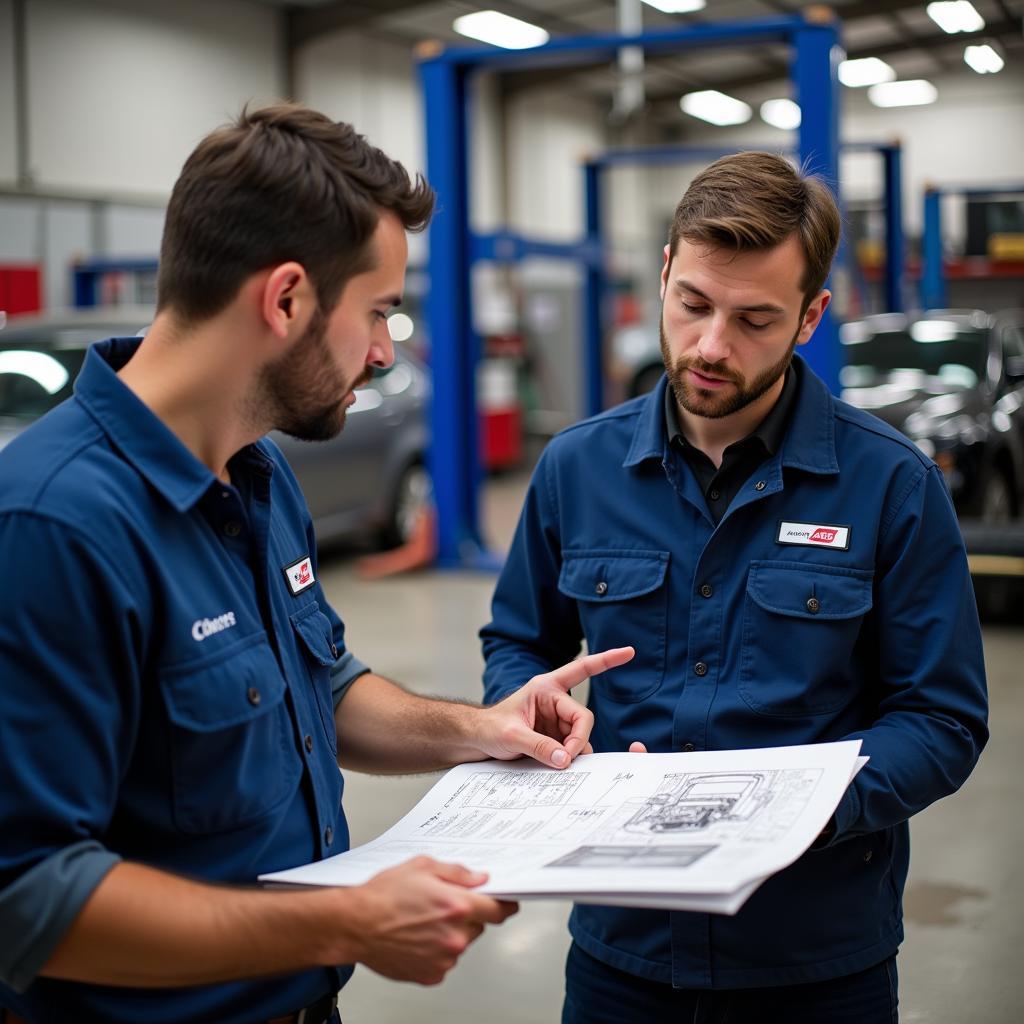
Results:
[750, 202]
[281, 183]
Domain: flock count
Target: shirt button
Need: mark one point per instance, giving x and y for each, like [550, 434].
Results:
[760, 485]
[700, 668]
[813, 605]
[689, 748]
[867, 856]
[706, 590]
[334, 651]
[714, 495]
[601, 589]
[328, 835]
[308, 743]
[253, 696]
[232, 528]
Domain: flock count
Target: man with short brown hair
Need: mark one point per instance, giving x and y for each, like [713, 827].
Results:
[790, 571]
[175, 691]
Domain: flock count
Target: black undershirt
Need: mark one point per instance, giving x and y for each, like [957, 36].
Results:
[741, 458]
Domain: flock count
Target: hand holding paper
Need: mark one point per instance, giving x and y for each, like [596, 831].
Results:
[415, 920]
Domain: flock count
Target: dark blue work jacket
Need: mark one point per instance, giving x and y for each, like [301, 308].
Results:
[832, 601]
[165, 688]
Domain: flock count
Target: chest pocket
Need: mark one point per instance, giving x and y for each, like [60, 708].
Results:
[316, 639]
[801, 622]
[622, 600]
[233, 756]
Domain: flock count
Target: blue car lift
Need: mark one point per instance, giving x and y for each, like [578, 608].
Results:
[823, 356]
[934, 294]
[454, 457]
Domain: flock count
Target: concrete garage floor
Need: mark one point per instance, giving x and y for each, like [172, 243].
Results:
[960, 962]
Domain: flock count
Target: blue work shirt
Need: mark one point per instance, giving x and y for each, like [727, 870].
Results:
[169, 668]
[831, 601]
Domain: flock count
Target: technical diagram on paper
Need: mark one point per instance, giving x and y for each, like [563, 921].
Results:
[696, 831]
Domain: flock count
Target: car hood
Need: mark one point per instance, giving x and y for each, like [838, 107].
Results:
[916, 409]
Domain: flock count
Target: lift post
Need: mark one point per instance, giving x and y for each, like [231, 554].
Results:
[454, 458]
[934, 292]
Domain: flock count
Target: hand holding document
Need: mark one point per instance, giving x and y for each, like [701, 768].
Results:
[695, 831]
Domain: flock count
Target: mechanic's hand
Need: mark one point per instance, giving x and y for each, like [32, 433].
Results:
[542, 720]
[415, 920]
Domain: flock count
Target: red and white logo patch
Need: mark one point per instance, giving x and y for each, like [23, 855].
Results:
[299, 575]
[815, 535]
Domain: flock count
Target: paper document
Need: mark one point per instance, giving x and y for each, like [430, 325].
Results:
[696, 831]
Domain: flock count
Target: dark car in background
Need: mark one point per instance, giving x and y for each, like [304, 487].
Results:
[369, 481]
[953, 382]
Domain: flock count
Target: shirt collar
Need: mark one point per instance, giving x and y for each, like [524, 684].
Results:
[137, 432]
[804, 430]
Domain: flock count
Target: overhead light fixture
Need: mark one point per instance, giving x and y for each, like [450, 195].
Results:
[500, 30]
[782, 113]
[715, 107]
[677, 6]
[917, 92]
[984, 59]
[956, 16]
[865, 71]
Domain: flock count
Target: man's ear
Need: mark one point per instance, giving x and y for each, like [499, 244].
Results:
[813, 315]
[664, 271]
[287, 299]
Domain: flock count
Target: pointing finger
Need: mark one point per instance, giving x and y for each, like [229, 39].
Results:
[577, 671]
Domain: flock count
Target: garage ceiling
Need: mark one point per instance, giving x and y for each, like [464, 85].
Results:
[898, 31]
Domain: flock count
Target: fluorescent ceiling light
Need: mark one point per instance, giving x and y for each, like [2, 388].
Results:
[676, 6]
[865, 71]
[983, 59]
[781, 113]
[500, 30]
[956, 16]
[715, 107]
[914, 93]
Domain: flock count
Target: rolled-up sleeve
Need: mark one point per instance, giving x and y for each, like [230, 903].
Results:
[345, 671]
[39, 906]
[69, 701]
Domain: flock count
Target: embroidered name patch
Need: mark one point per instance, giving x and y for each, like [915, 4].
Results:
[299, 575]
[814, 535]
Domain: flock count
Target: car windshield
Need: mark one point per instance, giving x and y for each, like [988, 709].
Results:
[34, 379]
[954, 353]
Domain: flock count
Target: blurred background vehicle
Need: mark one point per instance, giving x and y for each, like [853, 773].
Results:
[951, 380]
[368, 482]
[635, 363]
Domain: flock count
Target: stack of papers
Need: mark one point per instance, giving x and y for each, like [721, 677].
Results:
[696, 831]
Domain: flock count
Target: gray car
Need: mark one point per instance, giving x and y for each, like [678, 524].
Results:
[370, 481]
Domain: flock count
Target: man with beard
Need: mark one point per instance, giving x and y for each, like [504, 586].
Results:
[175, 691]
[790, 571]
